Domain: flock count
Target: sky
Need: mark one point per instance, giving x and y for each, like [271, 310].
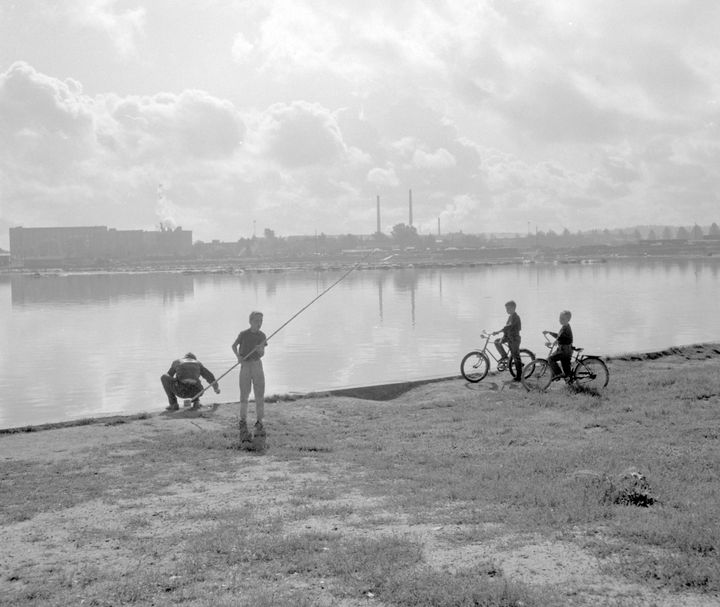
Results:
[229, 117]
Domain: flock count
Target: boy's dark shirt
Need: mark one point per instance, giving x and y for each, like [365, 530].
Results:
[564, 336]
[512, 328]
[187, 370]
[247, 340]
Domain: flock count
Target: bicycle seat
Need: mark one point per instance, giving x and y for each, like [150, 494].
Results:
[578, 349]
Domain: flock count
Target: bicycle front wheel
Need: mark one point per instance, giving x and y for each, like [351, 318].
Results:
[526, 356]
[537, 375]
[591, 374]
[474, 366]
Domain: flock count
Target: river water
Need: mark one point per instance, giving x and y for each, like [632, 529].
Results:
[85, 345]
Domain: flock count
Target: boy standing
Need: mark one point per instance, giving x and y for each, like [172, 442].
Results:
[249, 348]
[511, 336]
[564, 350]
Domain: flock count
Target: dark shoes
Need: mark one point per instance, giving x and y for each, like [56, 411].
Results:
[172, 407]
[254, 441]
[258, 441]
[245, 436]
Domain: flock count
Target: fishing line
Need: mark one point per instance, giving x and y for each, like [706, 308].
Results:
[289, 320]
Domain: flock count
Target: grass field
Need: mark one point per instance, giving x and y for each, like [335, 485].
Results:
[450, 494]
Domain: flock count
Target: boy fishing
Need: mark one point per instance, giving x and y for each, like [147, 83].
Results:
[249, 348]
[183, 379]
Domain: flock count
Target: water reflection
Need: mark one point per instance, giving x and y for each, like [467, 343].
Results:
[89, 345]
[94, 288]
[380, 296]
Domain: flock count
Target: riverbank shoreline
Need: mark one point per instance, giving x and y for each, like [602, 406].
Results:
[376, 392]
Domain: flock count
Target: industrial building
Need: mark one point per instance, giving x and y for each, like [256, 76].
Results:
[95, 244]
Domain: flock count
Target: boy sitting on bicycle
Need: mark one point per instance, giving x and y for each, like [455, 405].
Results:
[511, 336]
[563, 353]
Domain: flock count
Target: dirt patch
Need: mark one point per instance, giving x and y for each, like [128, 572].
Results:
[383, 392]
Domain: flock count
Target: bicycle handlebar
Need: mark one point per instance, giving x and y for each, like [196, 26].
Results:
[551, 345]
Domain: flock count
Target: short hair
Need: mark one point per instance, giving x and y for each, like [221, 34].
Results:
[566, 313]
[510, 304]
[255, 314]
[191, 355]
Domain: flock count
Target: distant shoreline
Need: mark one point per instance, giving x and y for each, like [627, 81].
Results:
[397, 261]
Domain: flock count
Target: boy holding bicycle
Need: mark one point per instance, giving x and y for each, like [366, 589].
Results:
[511, 336]
[563, 353]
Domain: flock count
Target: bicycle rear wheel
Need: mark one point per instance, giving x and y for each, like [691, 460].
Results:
[591, 373]
[526, 356]
[474, 366]
[537, 375]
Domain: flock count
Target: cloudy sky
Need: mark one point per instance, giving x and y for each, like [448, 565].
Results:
[228, 116]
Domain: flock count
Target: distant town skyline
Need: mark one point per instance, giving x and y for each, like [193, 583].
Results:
[229, 118]
[659, 232]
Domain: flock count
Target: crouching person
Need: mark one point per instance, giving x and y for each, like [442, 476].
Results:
[183, 380]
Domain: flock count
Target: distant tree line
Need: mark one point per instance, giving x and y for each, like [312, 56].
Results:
[403, 236]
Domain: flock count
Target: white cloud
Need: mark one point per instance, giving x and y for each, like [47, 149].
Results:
[295, 36]
[300, 134]
[30, 100]
[99, 159]
[241, 48]
[383, 177]
[440, 159]
[123, 27]
[191, 124]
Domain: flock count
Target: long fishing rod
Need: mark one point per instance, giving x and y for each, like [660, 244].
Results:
[288, 321]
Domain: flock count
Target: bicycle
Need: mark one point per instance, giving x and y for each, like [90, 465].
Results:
[476, 364]
[587, 372]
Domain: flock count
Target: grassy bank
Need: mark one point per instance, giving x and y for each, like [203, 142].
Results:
[449, 494]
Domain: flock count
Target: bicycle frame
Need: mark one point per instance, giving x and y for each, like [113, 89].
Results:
[586, 371]
[476, 363]
[501, 364]
[576, 357]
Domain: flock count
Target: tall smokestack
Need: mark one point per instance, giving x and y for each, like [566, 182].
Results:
[410, 204]
[378, 213]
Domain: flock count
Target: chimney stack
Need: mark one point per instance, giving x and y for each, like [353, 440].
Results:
[378, 213]
[411, 220]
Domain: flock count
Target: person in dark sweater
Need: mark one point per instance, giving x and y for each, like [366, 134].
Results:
[564, 350]
[183, 380]
[511, 337]
[249, 348]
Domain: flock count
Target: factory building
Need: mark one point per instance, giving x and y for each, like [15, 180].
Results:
[78, 245]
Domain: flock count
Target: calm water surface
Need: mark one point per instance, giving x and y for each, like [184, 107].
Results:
[88, 345]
